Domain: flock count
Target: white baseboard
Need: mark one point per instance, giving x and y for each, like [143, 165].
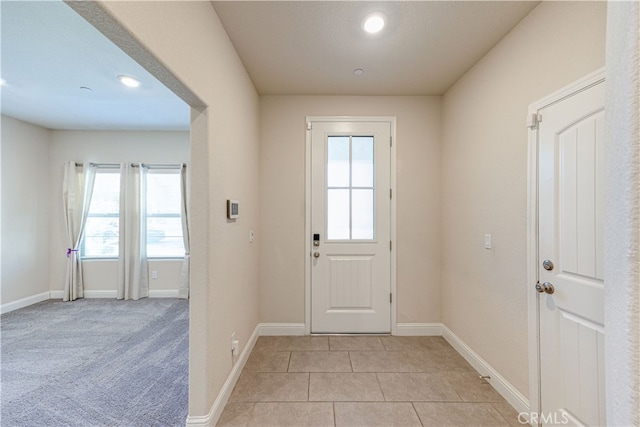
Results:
[24, 302]
[163, 293]
[277, 329]
[100, 294]
[56, 294]
[497, 381]
[215, 412]
[419, 329]
[160, 293]
[87, 294]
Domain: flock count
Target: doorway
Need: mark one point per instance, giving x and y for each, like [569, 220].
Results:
[350, 225]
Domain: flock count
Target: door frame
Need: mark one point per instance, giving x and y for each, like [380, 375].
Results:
[533, 301]
[307, 223]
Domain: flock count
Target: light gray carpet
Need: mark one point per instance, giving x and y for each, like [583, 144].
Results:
[95, 362]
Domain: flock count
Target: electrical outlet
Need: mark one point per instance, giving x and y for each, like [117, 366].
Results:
[154, 274]
[251, 236]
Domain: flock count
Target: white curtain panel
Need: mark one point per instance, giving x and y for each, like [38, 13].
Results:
[133, 271]
[183, 289]
[76, 193]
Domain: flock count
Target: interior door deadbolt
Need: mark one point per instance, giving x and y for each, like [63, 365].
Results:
[547, 265]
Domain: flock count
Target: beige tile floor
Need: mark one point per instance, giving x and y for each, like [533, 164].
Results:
[362, 381]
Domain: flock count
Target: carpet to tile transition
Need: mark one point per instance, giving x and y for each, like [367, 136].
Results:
[95, 362]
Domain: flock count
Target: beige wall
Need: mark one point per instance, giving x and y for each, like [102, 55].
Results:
[107, 147]
[25, 210]
[282, 178]
[484, 174]
[191, 42]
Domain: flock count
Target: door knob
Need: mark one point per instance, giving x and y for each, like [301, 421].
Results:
[545, 287]
[316, 254]
[547, 265]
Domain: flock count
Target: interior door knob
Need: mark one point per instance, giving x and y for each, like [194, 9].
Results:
[547, 265]
[316, 254]
[545, 287]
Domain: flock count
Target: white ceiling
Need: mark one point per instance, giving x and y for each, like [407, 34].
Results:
[49, 52]
[312, 47]
[288, 47]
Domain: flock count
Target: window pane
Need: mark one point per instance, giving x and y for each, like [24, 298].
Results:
[163, 193]
[362, 211]
[106, 193]
[337, 214]
[338, 161]
[101, 237]
[102, 229]
[362, 169]
[168, 247]
[164, 224]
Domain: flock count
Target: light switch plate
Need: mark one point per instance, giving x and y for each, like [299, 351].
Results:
[487, 241]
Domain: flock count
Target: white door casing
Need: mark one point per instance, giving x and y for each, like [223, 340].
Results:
[350, 214]
[569, 146]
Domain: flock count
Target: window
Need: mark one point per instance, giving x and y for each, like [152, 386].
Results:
[164, 222]
[102, 230]
[350, 188]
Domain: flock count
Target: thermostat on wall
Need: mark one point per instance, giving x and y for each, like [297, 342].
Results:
[232, 209]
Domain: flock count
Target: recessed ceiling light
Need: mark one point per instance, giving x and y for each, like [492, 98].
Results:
[129, 81]
[358, 71]
[374, 22]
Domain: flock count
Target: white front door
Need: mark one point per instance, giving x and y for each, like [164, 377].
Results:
[350, 222]
[570, 261]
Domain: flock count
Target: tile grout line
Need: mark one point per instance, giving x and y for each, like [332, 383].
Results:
[417, 414]
[333, 405]
[381, 390]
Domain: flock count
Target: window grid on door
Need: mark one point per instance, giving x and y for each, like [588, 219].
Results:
[350, 188]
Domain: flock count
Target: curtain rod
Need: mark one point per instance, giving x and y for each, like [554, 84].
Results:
[135, 165]
[101, 165]
[161, 165]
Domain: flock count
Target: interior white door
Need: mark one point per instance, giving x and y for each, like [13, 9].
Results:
[571, 287]
[350, 222]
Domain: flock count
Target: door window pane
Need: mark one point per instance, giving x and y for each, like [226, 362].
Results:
[362, 154]
[338, 214]
[362, 214]
[350, 188]
[338, 161]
